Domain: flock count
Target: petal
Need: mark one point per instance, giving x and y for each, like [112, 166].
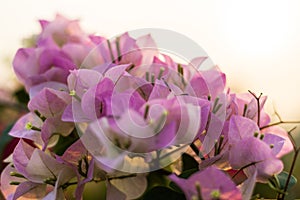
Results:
[248, 186]
[287, 146]
[276, 141]
[30, 190]
[6, 188]
[34, 90]
[19, 129]
[49, 102]
[252, 151]
[132, 187]
[82, 79]
[42, 166]
[113, 193]
[54, 126]
[21, 156]
[241, 127]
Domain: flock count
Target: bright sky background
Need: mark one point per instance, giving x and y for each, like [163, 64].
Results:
[256, 43]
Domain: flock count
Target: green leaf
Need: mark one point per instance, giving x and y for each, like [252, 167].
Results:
[174, 186]
[132, 187]
[282, 179]
[64, 143]
[162, 193]
[188, 162]
[186, 174]
[22, 96]
[5, 138]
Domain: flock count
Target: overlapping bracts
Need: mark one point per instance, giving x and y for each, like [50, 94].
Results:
[126, 109]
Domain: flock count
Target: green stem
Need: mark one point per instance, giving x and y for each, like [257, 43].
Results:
[282, 196]
[280, 122]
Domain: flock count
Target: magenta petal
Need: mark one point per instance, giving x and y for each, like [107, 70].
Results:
[43, 23]
[81, 184]
[7, 189]
[49, 102]
[248, 186]
[161, 140]
[253, 151]
[198, 86]
[113, 193]
[54, 126]
[83, 79]
[75, 152]
[96, 101]
[21, 59]
[97, 39]
[34, 90]
[78, 52]
[196, 62]
[276, 141]
[42, 166]
[30, 190]
[19, 129]
[213, 133]
[208, 180]
[241, 127]
[74, 113]
[159, 91]
[287, 146]
[116, 72]
[21, 156]
[148, 49]
[52, 57]
[215, 80]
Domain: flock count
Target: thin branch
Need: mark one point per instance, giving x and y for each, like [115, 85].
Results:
[280, 122]
[292, 138]
[258, 106]
[281, 197]
[277, 115]
[244, 167]
[13, 106]
[296, 150]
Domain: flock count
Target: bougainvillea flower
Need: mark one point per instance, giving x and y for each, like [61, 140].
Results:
[96, 101]
[136, 109]
[79, 81]
[23, 128]
[49, 102]
[211, 183]
[35, 170]
[255, 155]
[24, 189]
[246, 106]
[241, 127]
[62, 30]
[77, 157]
[35, 66]
[287, 144]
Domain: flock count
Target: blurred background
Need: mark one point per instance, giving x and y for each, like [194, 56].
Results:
[256, 43]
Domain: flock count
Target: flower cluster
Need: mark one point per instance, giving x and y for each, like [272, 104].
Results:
[120, 110]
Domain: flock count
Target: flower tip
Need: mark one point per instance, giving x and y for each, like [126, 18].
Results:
[72, 93]
[215, 194]
[28, 126]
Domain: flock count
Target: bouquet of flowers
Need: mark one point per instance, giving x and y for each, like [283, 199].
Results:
[126, 115]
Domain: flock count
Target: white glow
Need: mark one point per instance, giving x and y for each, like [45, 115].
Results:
[256, 43]
[256, 27]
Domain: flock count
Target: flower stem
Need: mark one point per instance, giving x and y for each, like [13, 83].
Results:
[282, 196]
[258, 106]
[280, 122]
